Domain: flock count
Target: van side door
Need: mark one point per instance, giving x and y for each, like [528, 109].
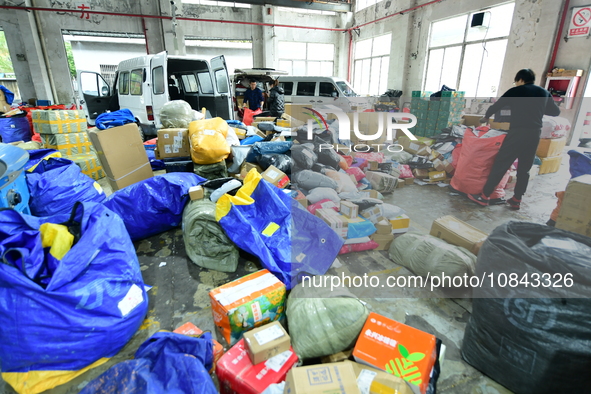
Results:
[158, 94]
[222, 95]
[94, 94]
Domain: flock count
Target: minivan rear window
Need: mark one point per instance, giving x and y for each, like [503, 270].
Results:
[287, 87]
[306, 88]
[190, 83]
[158, 80]
[221, 78]
[124, 83]
[205, 82]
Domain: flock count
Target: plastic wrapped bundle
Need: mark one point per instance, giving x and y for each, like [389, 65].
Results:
[207, 245]
[323, 322]
[423, 254]
[176, 114]
[322, 193]
[304, 156]
[344, 182]
[309, 180]
[370, 245]
[212, 171]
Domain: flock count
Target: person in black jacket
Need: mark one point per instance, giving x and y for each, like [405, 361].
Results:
[276, 100]
[528, 104]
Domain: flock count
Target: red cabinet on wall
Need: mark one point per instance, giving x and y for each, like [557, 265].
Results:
[563, 89]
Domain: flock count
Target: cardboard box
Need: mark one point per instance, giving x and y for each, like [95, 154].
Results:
[266, 342]
[238, 375]
[500, 125]
[370, 194]
[349, 209]
[264, 119]
[373, 381]
[173, 143]
[410, 146]
[68, 144]
[89, 164]
[373, 214]
[400, 224]
[58, 121]
[276, 177]
[575, 212]
[240, 133]
[246, 167]
[193, 331]
[568, 73]
[335, 378]
[420, 173]
[437, 176]
[449, 168]
[424, 151]
[384, 241]
[396, 348]
[456, 232]
[381, 181]
[550, 147]
[196, 193]
[438, 165]
[245, 303]
[409, 181]
[400, 184]
[383, 227]
[122, 155]
[374, 165]
[550, 164]
[472, 120]
[335, 221]
[337, 357]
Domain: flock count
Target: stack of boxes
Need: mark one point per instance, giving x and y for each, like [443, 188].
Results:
[550, 153]
[65, 131]
[433, 116]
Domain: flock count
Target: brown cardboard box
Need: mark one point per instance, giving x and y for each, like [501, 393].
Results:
[400, 224]
[550, 164]
[438, 165]
[420, 173]
[409, 181]
[383, 227]
[424, 151]
[373, 214]
[122, 154]
[568, 73]
[335, 378]
[370, 193]
[409, 145]
[400, 184]
[499, 125]
[246, 167]
[349, 209]
[551, 147]
[437, 176]
[196, 193]
[276, 177]
[472, 120]
[383, 240]
[373, 381]
[337, 357]
[456, 232]
[335, 221]
[267, 341]
[373, 166]
[449, 168]
[173, 143]
[575, 212]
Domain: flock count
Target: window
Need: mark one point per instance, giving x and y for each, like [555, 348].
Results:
[221, 78]
[287, 87]
[469, 58]
[158, 80]
[190, 83]
[135, 83]
[108, 72]
[305, 11]
[217, 3]
[205, 82]
[326, 89]
[346, 89]
[124, 83]
[301, 58]
[372, 61]
[306, 88]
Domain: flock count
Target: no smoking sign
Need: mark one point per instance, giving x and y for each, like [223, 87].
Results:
[580, 23]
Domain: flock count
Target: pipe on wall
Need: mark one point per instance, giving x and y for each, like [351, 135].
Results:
[559, 34]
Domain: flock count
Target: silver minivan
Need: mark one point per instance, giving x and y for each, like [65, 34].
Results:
[144, 84]
[304, 90]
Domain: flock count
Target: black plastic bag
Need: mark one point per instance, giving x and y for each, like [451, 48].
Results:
[303, 155]
[326, 155]
[282, 162]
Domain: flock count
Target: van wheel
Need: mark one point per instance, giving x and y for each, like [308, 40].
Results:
[142, 135]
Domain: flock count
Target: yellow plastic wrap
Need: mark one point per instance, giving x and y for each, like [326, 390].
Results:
[208, 140]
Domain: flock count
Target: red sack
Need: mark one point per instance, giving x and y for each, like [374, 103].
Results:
[356, 172]
[249, 115]
[475, 162]
[405, 171]
[326, 203]
[371, 245]
[348, 159]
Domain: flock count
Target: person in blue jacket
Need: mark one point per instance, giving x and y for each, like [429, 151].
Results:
[253, 97]
[528, 104]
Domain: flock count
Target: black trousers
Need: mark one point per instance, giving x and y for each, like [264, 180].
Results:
[519, 144]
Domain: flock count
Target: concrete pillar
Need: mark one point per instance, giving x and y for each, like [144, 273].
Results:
[153, 28]
[341, 61]
[26, 54]
[258, 43]
[173, 32]
[269, 41]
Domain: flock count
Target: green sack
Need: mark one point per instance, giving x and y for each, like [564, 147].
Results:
[323, 322]
[212, 171]
[206, 243]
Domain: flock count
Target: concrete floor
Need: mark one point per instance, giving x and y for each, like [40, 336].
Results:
[180, 288]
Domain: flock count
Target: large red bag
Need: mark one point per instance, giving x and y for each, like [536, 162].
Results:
[249, 115]
[475, 162]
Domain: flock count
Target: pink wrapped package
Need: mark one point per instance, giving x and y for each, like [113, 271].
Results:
[358, 173]
[405, 171]
[326, 203]
[371, 156]
[359, 247]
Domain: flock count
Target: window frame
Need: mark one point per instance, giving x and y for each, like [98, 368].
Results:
[306, 95]
[124, 77]
[358, 85]
[161, 69]
[141, 75]
[306, 60]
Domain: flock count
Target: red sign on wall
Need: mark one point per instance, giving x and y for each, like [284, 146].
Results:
[580, 23]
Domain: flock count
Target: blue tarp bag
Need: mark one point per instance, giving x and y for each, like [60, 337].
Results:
[155, 163]
[361, 229]
[165, 363]
[15, 129]
[72, 294]
[266, 222]
[580, 163]
[114, 119]
[155, 204]
[57, 184]
[7, 94]
[36, 155]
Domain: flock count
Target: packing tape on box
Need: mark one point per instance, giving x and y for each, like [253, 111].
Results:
[129, 173]
[68, 144]
[89, 164]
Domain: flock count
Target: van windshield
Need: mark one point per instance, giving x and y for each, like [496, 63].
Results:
[346, 89]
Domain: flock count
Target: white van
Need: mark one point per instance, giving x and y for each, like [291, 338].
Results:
[319, 91]
[144, 84]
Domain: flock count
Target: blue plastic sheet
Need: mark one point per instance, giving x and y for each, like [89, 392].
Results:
[15, 129]
[36, 155]
[580, 163]
[266, 222]
[57, 184]
[155, 163]
[251, 140]
[81, 313]
[165, 363]
[7, 94]
[114, 119]
[153, 205]
[360, 229]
